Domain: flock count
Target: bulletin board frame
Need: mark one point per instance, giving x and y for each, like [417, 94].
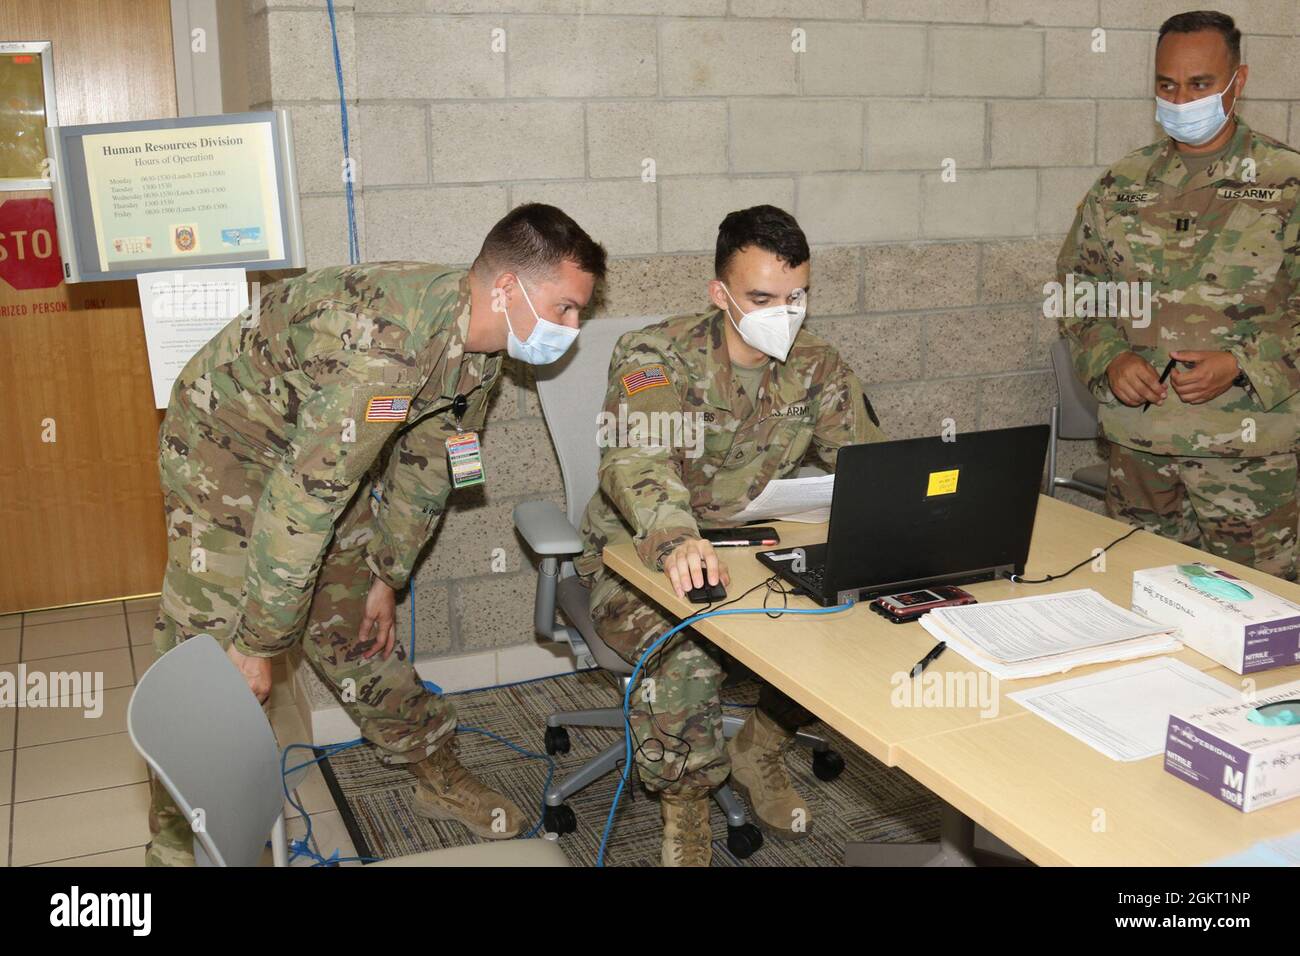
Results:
[45, 50]
[81, 244]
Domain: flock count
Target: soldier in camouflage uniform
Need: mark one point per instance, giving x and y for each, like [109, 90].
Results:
[760, 415]
[1213, 229]
[304, 467]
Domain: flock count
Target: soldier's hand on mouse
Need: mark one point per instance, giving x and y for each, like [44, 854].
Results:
[1134, 381]
[692, 562]
[256, 671]
[380, 621]
[1210, 377]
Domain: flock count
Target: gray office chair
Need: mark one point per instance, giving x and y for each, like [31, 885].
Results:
[572, 393]
[1074, 418]
[195, 723]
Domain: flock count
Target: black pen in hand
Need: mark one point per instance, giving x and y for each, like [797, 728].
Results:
[1163, 375]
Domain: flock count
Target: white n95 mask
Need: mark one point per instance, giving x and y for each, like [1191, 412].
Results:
[1197, 122]
[771, 330]
[545, 344]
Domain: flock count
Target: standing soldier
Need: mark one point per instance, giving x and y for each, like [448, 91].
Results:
[1207, 219]
[266, 459]
[763, 393]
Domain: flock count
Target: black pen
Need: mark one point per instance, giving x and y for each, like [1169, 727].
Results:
[1163, 375]
[924, 662]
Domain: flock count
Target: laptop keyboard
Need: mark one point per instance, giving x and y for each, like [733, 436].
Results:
[814, 575]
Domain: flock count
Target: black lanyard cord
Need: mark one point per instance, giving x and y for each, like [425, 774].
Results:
[459, 403]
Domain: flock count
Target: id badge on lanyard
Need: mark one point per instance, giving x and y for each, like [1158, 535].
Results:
[464, 453]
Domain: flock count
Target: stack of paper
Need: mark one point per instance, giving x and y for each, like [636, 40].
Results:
[1048, 634]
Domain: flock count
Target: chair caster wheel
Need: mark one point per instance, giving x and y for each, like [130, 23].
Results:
[827, 764]
[743, 840]
[559, 820]
[557, 740]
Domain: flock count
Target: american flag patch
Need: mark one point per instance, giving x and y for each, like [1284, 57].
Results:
[388, 408]
[649, 376]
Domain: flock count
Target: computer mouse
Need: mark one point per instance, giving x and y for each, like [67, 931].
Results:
[707, 594]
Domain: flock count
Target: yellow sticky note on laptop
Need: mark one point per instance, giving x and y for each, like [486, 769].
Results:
[942, 483]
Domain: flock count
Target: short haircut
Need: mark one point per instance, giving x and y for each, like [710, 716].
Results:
[1195, 21]
[771, 229]
[534, 239]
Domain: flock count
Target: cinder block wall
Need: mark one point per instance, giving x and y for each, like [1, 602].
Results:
[932, 289]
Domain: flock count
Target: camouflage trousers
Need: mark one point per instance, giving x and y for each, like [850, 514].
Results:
[1242, 509]
[675, 709]
[211, 494]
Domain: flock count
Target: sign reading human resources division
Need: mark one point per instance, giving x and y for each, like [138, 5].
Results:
[173, 194]
[181, 193]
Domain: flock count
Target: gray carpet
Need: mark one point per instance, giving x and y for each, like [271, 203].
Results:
[868, 801]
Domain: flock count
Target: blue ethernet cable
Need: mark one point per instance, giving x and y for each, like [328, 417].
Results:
[636, 671]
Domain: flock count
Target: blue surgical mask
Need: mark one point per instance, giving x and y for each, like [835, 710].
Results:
[1197, 122]
[545, 344]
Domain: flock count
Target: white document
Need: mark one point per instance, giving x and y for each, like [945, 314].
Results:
[1048, 634]
[791, 499]
[1059, 663]
[1023, 629]
[1124, 712]
[182, 310]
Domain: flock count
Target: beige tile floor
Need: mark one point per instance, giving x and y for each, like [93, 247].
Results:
[73, 791]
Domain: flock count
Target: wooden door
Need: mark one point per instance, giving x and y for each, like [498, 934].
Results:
[81, 515]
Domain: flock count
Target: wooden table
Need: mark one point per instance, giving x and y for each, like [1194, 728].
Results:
[1053, 798]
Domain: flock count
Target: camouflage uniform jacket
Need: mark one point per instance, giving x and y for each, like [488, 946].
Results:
[337, 367]
[661, 495]
[1220, 251]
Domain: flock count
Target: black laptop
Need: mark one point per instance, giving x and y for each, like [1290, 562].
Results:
[923, 511]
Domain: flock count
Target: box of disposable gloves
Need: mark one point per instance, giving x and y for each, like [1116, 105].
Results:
[1238, 624]
[1246, 754]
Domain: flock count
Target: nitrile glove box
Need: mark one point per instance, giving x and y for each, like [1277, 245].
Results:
[1243, 634]
[1243, 763]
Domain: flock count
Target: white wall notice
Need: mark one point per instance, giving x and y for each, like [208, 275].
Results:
[182, 310]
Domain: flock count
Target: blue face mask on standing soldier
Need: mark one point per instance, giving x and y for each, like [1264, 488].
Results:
[547, 342]
[1197, 122]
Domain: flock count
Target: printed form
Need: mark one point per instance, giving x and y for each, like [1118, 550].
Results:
[1048, 634]
[1124, 712]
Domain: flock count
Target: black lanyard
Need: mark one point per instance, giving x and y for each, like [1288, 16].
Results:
[459, 405]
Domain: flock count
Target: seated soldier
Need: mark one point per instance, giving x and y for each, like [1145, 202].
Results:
[760, 393]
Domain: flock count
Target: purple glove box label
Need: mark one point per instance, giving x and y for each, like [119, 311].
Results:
[1207, 762]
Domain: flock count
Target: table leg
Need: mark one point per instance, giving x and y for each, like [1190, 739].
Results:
[955, 847]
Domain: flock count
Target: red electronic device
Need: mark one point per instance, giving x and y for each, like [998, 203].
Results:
[910, 605]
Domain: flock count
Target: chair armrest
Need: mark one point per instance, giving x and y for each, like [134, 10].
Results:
[546, 529]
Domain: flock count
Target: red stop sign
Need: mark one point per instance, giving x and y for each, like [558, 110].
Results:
[29, 244]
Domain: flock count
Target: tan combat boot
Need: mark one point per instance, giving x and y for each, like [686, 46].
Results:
[759, 774]
[687, 838]
[447, 791]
